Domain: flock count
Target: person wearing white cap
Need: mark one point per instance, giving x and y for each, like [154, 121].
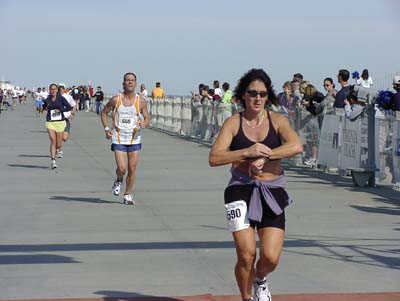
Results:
[68, 116]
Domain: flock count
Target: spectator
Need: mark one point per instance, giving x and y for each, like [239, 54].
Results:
[396, 97]
[217, 90]
[197, 97]
[353, 107]
[298, 77]
[285, 97]
[99, 95]
[158, 92]
[143, 90]
[343, 79]
[365, 80]
[327, 103]
[205, 94]
[226, 101]
[356, 76]
[85, 99]
[296, 95]
[1, 99]
[302, 89]
[91, 94]
[312, 98]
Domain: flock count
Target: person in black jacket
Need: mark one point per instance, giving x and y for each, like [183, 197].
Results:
[312, 98]
[99, 95]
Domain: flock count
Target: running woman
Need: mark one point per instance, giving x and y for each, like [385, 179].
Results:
[55, 105]
[254, 142]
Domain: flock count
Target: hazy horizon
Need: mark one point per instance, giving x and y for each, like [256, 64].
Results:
[182, 44]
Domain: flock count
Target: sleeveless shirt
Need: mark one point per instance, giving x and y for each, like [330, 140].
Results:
[240, 141]
[125, 119]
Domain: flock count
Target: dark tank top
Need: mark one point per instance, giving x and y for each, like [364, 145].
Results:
[240, 140]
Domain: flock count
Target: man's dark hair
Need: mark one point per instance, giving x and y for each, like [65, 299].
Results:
[129, 73]
[158, 84]
[298, 76]
[225, 86]
[344, 74]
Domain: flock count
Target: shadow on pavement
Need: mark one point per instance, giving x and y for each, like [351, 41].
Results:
[371, 252]
[35, 156]
[82, 199]
[365, 251]
[385, 194]
[29, 166]
[127, 296]
[35, 259]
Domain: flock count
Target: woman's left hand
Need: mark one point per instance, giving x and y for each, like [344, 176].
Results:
[256, 166]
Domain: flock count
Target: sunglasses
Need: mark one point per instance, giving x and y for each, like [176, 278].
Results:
[254, 93]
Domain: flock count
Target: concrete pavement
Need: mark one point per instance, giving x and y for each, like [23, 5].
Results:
[63, 235]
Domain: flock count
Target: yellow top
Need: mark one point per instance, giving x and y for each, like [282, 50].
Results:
[157, 93]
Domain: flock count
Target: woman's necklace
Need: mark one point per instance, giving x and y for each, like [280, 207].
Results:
[258, 124]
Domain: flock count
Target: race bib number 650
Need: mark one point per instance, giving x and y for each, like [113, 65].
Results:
[55, 116]
[236, 216]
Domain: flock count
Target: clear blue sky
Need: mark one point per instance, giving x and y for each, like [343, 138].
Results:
[183, 43]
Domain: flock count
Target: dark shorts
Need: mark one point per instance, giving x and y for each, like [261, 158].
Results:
[127, 148]
[67, 125]
[269, 218]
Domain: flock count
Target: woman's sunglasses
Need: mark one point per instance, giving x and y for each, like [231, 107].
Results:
[254, 93]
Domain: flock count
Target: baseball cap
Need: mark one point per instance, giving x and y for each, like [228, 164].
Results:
[396, 80]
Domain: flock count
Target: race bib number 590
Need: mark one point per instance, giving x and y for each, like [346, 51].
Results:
[236, 216]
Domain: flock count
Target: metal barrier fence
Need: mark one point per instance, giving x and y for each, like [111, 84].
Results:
[336, 143]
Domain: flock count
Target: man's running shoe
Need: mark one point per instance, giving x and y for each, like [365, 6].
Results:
[59, 154]
[116, 187]
[128, 200]
[53, 164]
[261, 291]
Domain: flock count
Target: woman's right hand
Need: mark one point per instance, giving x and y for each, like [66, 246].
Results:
[256, 166]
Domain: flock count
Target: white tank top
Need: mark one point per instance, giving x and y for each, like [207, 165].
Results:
[125, 129]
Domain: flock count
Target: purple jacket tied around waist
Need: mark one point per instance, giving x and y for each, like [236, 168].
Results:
[260, 188]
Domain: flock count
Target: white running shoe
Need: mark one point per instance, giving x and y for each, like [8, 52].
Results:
[261, 291]
[116, 187]
[53, 164]
[128, 200]
[310, 162]
[59, 154]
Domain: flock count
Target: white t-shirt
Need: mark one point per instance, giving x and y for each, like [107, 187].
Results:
[71, 102]
[144, 93]
[365, 83]
[44, 94]
[218, 91]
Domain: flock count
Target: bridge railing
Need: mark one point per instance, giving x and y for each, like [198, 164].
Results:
[336, 143]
